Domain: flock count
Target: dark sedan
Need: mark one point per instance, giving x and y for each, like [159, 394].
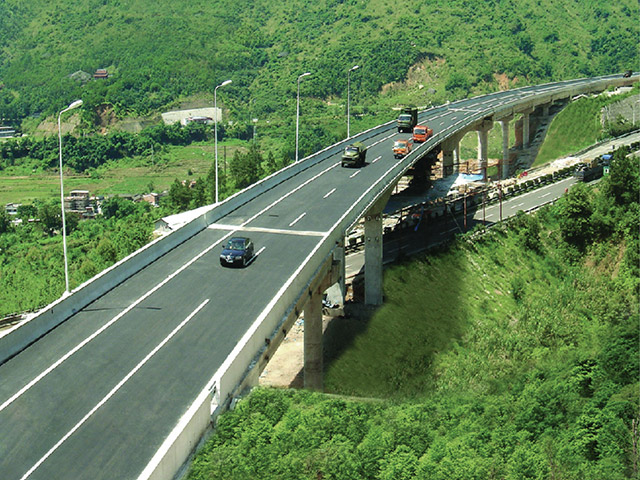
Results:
[237, 252]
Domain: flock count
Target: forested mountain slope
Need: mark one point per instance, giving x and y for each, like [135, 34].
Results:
[158, 51]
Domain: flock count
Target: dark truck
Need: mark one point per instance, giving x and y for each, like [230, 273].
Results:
[592, 170]
[407, 119]
[354, 155]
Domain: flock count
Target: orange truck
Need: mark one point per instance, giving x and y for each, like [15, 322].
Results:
[421, 133]
[402, 147]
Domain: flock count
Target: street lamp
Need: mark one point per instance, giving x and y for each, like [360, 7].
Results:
[298, 111]
[215, 127]
[355, 67]
[75, 104]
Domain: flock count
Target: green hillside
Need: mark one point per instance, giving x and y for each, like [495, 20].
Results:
[159, 53]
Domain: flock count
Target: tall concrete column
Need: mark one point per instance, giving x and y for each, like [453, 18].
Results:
[483, 144]
[503, 171]
[373, 258]
[526, 132]
[313, 368]
[545, 109]
[339, 257]
[451, 156]
[456, 158]
[373, 251]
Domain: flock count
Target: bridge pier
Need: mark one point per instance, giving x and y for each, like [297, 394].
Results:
[373, 251]
[332, 272]
[526, 127]
[483, 143]
[451, 155]
[339, 258]
[313, 366]
[545, 109]
[503, 171]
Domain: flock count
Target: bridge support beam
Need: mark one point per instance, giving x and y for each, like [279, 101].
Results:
[339, 259]
[330, 273]
[483, 144]
[451, 155]
[373, 251]
[313, 366]
[526, 128]
[503, 170]
[545, 109]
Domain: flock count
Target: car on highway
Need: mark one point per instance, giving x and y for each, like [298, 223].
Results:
[237, 252]
[402, 147]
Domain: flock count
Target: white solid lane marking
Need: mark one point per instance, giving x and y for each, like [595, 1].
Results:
[236, 228]
[300, 217]
[114, 390]
[329, 193]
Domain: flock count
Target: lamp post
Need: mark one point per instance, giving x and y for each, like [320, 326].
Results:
[215, 127]
[298, 111]
[355, 67]
[75, 104]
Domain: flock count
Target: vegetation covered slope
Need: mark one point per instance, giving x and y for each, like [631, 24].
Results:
[160, 51]
[511, 355]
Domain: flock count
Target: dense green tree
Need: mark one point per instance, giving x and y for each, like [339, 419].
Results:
[246, 168]
[5, 222]
[624, 180]
[401, 464]
[27, 211]
[107, 251]
[131, 234]
[50, 217]
[458, 84]
[575, 216]
[179, 195]
[117, 207]
[199, 196]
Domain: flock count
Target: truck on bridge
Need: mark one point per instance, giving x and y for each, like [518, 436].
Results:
[407, 119]
[421, 133]
[354, 155]
[402, 147]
